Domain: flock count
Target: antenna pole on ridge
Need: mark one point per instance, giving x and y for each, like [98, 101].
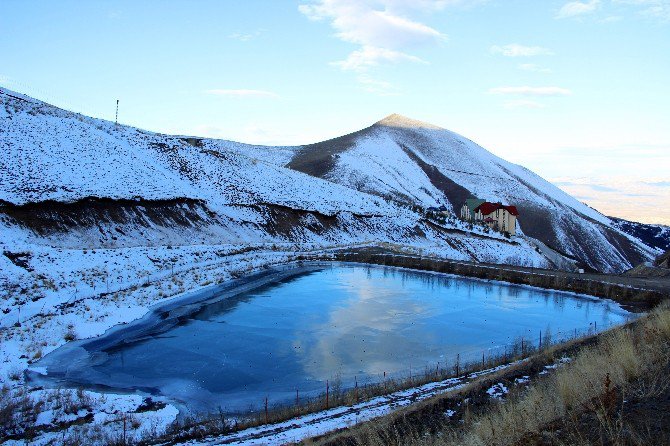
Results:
[116, 120]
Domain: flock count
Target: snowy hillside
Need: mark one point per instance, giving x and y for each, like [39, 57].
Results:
[99, 222]
[71, 182]
[410, 161]
[67, 179]
[51, 154]
[657, 236]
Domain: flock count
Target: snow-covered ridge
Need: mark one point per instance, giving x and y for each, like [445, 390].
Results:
[53, 154]
[57, 168]
[408, 161]
[99, 222]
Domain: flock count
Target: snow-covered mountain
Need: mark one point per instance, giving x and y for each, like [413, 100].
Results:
[100, 222]
[414, 162]
[656, 236]
[70, 181]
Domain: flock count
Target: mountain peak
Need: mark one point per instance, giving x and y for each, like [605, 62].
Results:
[396, 120]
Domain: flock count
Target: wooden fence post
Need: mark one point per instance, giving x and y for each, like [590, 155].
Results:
[356, 388]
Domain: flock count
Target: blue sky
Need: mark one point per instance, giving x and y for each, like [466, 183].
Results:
[577, 91]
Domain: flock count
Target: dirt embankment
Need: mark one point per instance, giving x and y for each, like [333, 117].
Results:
[634, 293]
[48, 217]
[610, 389]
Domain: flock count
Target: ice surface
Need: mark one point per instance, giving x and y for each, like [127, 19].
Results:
[339, 323]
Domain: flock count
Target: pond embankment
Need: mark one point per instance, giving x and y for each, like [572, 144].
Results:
[633, 293]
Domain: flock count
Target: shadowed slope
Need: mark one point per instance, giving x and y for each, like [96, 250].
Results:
[416, 163]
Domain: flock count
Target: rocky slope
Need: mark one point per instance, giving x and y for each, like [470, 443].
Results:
[656, 236]
[414, 162]
[71, 181]
[99, 222]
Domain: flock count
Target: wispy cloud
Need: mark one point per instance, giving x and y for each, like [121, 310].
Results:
[658, 183]
[382, 29]
[577, 8]
[516, 50]
[361, 23]
[531, 91]
[534, 68]
[612, 19]
[659, 9]
[244, 37]
[653, 9]
[243, 93]
[377, 86]
[621, 196]
[370, 56]
[429, 5]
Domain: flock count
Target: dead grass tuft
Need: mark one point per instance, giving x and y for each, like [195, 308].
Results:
[585, 397]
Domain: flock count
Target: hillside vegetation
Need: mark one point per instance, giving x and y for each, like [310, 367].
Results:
[613, 389]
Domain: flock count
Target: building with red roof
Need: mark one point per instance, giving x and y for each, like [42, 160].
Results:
[497, 216]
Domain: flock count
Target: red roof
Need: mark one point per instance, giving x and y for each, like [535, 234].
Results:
[512, 210]
[487, 208]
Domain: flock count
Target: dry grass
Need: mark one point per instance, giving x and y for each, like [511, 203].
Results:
[582, 400]
[558, 396]
[619, 358]
[206, 425]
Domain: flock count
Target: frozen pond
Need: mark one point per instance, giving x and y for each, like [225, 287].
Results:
[330, 322]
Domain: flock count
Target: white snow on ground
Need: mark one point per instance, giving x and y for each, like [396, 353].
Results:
[381, 167]
[102, 417]
[78, 281]
[319, 423]
[497, 391]
[559, 363]
[522, 380]
[52, 154]
[315, 424]
[377, 162]
[462, 158]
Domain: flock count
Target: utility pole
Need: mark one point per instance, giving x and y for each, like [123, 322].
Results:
[116, 120]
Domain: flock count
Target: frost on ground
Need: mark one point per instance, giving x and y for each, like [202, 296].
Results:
[99, 222]
[62, 415]
[87, 309]
[327, 421]
[523, 380]
[497, 391]
[320, 423]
